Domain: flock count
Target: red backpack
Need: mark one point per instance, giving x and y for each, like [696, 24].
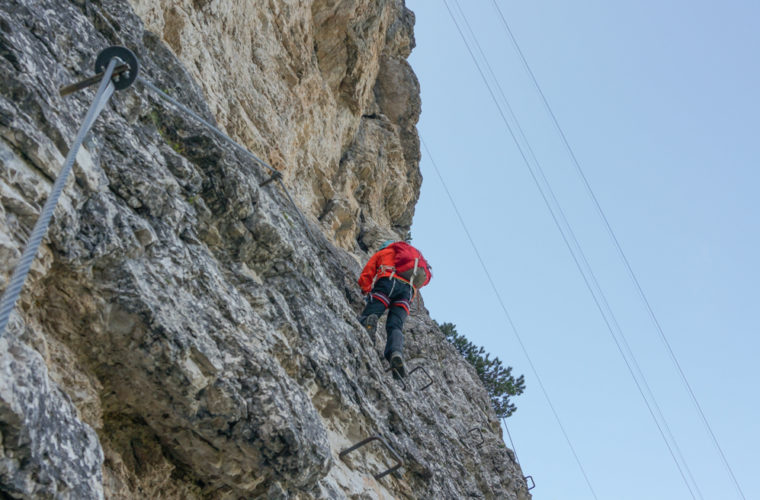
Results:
[410, 264]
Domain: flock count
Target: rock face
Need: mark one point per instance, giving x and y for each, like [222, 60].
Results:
[182, 334]
[321, 89]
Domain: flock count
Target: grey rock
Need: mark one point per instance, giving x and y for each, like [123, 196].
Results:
[182, 334]
[46, 450]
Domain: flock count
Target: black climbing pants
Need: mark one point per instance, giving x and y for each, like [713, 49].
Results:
[396, 296]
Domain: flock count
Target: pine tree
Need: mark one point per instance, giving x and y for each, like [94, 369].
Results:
[498, 379]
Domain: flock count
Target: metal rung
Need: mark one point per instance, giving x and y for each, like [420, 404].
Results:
[482, 438]
[358, 445]
[531, 481]
[401, 379]
[426, 373]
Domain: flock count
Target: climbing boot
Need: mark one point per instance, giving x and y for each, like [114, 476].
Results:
[370, 323]
[397, 365]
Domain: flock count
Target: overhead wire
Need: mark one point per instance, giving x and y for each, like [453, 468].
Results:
[589, 277]
[508, 316]
[619, 248]
[580, 260]
[587, 273]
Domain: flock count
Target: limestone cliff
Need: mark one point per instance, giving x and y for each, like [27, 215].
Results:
[182, 334]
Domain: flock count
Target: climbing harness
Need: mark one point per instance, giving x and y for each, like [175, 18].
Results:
[105, 66]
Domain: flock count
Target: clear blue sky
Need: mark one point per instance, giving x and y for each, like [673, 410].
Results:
[660, 101]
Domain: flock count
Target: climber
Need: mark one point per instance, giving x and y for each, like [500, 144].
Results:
[390, 280]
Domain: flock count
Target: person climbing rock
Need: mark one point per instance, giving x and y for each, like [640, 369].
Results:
[390, 280]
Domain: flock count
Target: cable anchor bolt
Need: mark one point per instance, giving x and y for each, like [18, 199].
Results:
[276, 175]
[123, 75]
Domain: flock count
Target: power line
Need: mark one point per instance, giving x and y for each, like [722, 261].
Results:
[508, 316]
[617, 245]
[580, 259]
[584, 267]
[592, 283]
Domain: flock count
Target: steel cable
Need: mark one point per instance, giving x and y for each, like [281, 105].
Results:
[512, 443]
[16, 283]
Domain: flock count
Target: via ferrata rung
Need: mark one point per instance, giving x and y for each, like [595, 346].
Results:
[399, 461]
[401, 379]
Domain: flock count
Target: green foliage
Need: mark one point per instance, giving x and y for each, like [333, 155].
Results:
[498, 379]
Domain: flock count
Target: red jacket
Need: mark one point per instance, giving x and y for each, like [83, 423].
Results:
[379, 266]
